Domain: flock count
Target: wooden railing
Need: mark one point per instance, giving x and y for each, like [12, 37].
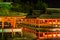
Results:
[44, 35]
[39, 22]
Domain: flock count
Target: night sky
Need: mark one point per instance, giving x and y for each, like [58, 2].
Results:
[53, 3]
[50, 3]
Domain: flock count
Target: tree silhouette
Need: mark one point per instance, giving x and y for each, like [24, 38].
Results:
[40, 5]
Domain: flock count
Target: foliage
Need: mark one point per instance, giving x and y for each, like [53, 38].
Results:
[5, 5]
[38, 6]
[29, 5]
[26, 7]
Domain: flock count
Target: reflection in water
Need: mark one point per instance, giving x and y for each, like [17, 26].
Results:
[52, 39]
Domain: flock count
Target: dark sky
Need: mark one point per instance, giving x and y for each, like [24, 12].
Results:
[53, 3]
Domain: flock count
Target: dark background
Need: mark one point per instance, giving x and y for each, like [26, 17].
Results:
[51, 3]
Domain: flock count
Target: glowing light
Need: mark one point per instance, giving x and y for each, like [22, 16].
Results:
[54, 22]
[50, 22]
[17, 30]
[43, 20]
[54, 35]
[56, 29]
[0, 19]
[7, 30]
[21, 19]
[58, 22]
[50, 35]
[0, 30]
[58, 35]
[56, 25]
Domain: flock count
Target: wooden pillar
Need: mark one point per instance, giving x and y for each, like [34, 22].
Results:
[43, 34]
[2, 23]
[14, 24]
[2, 27]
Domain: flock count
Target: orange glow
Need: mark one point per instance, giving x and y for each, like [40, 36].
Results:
[0, 19]
[54, 35]
[50, 22]
[50, 35]
[58, 35]
[41, 22]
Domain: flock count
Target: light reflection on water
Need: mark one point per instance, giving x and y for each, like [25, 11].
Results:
[52, 39]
